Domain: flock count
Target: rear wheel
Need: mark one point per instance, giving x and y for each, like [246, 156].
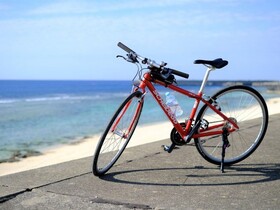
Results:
[245, 106]
[117, 134]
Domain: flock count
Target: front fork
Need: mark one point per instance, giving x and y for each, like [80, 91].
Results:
[125, 134]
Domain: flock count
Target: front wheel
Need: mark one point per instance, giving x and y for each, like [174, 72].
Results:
[245, 106]
[117, 134]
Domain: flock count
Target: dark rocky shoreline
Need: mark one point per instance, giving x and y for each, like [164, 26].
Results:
[20, 154]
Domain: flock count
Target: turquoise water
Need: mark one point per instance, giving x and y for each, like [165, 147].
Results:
[39, 114]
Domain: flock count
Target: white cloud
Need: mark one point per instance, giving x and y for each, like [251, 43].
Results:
[63, 7]
[86, 7]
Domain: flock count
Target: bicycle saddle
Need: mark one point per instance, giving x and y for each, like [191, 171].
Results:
[217, 63]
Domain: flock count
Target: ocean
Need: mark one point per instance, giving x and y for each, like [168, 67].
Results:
[39, 114]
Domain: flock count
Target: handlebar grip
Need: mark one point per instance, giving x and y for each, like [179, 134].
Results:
[125, 48]
[179, 73]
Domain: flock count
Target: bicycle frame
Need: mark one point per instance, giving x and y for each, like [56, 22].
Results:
[209, 126]
[148, 81]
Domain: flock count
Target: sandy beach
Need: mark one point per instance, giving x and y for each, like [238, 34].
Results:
[86, 147]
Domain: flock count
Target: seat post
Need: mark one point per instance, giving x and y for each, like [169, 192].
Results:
[205, 79]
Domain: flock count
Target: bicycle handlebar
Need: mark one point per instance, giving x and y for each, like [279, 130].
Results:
[179, 73]
[133, 56]
[125, 48]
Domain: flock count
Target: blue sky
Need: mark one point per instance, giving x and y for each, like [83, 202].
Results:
[78, 39]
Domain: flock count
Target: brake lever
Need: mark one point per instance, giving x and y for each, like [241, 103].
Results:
[128, 59]
[120, 56]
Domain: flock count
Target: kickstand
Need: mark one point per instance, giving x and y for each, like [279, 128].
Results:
[225, 145]
[170, 148]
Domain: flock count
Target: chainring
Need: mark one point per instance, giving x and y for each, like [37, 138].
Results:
[175, 136]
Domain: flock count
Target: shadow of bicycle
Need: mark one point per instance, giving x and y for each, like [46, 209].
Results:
[241, 174]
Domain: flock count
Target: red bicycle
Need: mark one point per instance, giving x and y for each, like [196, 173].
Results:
[227, 129]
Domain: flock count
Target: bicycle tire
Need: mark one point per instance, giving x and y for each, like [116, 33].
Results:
[114, 140]
[249, 109]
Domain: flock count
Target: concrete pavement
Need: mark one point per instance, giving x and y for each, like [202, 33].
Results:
[149, 178]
